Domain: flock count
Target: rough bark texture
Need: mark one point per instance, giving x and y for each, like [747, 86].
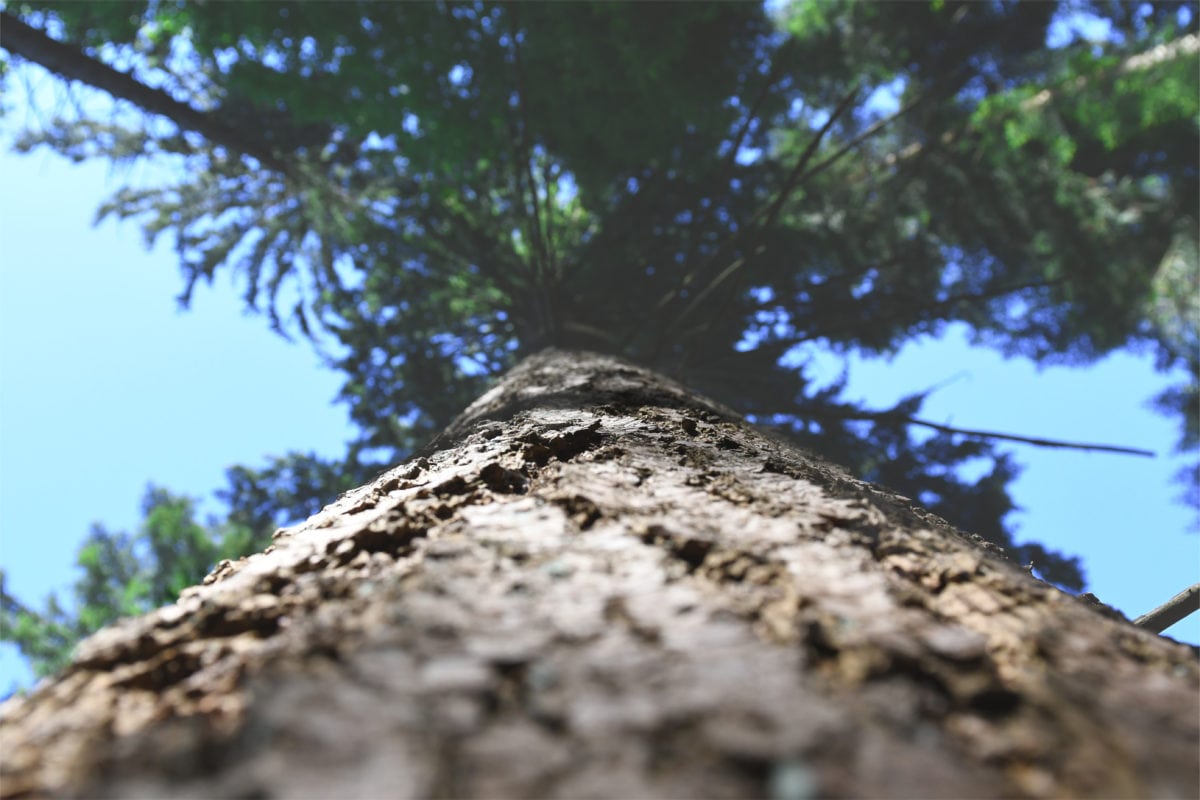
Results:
[596, 584]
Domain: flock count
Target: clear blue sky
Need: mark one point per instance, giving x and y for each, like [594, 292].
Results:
[105, 386]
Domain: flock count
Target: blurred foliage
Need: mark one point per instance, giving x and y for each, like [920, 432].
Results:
[124, 574]
[716, 190]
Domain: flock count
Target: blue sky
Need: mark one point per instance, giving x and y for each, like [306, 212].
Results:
[106, 386]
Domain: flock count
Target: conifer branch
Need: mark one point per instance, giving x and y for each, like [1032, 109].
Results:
[70, 62]
[1185, 46]
[703, 214]
[541, 260]
[763, 219]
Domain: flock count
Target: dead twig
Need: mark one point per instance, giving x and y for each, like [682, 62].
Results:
[1178, 607]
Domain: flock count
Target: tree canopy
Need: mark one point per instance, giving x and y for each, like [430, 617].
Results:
[427, 191]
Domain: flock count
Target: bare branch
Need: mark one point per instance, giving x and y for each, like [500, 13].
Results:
[891, 416]
[704, 214]
[756, 106]
[1178, 607]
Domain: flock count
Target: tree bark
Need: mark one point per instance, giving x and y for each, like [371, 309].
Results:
[597, 584]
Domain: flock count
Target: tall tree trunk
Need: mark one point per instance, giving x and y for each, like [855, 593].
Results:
[598, 584]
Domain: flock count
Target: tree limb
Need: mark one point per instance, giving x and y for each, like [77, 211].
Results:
[1178, 607]
[72, 63]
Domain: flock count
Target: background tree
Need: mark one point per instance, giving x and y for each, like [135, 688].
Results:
[126, 574]
[428, 192]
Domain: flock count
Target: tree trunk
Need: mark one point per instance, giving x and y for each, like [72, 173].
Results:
[598, 584]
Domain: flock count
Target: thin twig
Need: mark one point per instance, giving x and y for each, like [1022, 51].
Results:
[891, 416]
[703, 214]
[752, 248]
[1178, 607]
[800, 171]
[756, 106]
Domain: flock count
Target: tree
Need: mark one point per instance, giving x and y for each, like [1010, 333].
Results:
[598, 583]
[429, 192]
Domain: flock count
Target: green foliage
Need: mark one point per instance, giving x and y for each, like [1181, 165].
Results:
[122, 575]
[288, 490]
[465, 183]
